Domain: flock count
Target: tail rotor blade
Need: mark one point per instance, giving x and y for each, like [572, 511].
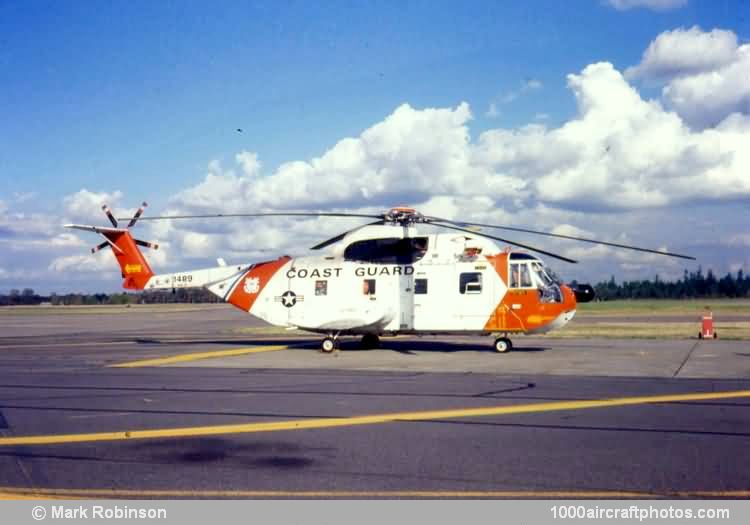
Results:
[99, 247]
[145, 244]
[111, 217]
[137, 215]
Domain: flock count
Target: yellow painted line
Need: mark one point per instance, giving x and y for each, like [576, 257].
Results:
[302, 424]
[182, 358]
[18, 493]
[12, 495]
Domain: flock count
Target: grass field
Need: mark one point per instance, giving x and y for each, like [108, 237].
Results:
[664, 307]
[108, 309]
[635, 330]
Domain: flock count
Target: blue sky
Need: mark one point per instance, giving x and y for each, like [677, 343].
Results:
[139, 97]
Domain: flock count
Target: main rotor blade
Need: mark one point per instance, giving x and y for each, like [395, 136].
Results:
[340, 236]
[561, 236]
[273, 214]
[531, 248]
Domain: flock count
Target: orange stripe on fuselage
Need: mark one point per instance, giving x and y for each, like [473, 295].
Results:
[519, 310]
[263, 272]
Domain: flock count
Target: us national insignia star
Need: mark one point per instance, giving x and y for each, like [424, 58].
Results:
[289, 299]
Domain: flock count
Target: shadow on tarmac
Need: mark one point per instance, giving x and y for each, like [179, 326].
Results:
[260, 454]
[352, 344]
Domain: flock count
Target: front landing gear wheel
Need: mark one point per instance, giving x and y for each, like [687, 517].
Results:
[503, 345]
[328, 345]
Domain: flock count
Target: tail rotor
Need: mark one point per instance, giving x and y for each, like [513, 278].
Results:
[134, 267]
[108, 212]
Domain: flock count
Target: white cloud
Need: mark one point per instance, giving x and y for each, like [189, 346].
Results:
[620, 152]
[706, 74]
[249, 163]
[739, 239]
[100, 263]
[594, 176]
[532, 84]
[23, 196]
[492, 111]
[412, 153]
[683, 52]
[198, 244]
[573, 231]
[86, 205]
[632, 153]
[656, 5]
[60, 240]
[16, 225]
[621, 164]
[527, 85]
[705, 99]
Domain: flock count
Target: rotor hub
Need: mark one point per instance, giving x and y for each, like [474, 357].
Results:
[403, 216]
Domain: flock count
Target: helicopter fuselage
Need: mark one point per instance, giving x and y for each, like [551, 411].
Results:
[411, 283]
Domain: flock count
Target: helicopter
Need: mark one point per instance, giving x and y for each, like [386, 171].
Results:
[389, 277]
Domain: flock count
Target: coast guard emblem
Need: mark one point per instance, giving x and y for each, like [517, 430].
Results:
[252, 285]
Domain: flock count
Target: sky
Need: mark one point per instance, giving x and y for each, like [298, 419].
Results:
[622, 120]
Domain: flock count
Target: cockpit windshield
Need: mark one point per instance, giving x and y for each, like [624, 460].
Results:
[545, 276]
[531, 273]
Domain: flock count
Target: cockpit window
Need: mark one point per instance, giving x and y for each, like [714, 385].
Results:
[533, 274]
[520, 276]
[387, 251]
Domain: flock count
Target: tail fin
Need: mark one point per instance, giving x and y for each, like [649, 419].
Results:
[133, 265]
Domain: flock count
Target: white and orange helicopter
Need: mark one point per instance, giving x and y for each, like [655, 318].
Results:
[387, 277]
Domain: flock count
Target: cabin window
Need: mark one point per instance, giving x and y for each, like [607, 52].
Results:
[321, 287]
[420, 286]
[368, 287]
[520, 277]
[387, 251]
[470, 282]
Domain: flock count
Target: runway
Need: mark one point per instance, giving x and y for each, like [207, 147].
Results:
[180, 404]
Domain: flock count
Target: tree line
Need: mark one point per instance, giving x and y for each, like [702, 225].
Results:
[693, 285]
[28, 297]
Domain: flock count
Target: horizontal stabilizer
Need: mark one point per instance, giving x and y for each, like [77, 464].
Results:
[95, 229]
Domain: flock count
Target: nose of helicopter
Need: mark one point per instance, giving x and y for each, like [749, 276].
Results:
[584, 293]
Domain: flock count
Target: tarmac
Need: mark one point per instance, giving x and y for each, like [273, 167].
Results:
[187, 403]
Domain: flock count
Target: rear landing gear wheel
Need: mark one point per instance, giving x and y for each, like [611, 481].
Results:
[369, 342]
[328, 345]
[503, 345]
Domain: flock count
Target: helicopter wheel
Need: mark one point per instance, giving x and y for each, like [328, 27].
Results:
[369, 342]
[503, 345]
[328, 345]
